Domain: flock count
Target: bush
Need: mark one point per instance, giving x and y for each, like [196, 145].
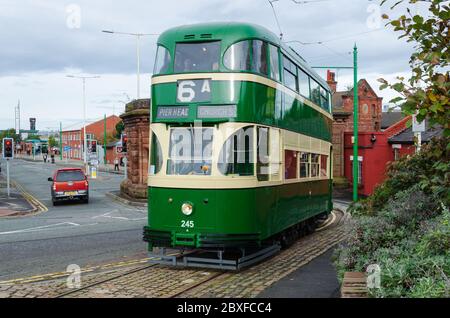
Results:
[405, 229]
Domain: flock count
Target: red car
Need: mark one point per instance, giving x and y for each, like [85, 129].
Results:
[69, 184]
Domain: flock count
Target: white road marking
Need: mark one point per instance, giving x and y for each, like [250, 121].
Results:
[46, 227]
[107, 215]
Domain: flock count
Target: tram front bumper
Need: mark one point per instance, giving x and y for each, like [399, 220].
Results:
[157, 238]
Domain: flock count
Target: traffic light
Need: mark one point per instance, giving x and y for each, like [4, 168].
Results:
[94, 146]
[124, 143]
[8, 148]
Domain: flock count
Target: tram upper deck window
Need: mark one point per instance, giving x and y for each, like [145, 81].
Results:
[290, 73]
[190, 151]
[162, 61]
[259, 61]
[274, 63]
[248, 55]
[197, 57]
[323, 98]
[303, 83]
[236, 156]
[315, 92]
[237, 56]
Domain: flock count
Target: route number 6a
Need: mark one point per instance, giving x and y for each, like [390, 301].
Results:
[187, 224]
[194, 91]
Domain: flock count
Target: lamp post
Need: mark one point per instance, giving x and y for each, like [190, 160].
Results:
[84, 78]
[355, 117]
[138, 39]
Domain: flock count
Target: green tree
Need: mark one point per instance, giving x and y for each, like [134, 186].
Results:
[9, 133]
[33, 137]
[427, 91]
[52, 142]
[119, 129]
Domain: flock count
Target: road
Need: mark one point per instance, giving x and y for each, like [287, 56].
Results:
[72, 233]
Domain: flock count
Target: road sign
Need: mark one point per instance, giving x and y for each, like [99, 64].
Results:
[93, 172]
[416, 126]
[119, 149]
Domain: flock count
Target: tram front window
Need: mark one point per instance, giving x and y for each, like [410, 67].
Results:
[190, 151]
[197, 57]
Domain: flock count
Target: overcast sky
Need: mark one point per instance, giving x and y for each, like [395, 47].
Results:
[43, 40]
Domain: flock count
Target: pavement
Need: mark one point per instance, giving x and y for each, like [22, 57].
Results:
[317, 279]
[74, 233]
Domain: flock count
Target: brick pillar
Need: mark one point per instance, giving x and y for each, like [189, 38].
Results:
[136, 121]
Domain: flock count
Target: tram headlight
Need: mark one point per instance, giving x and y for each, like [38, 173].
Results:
[187, 208]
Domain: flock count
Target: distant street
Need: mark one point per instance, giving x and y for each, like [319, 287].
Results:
[71, 233]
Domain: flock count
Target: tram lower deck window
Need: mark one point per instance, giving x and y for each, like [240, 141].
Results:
[290, 164]
[236, 156]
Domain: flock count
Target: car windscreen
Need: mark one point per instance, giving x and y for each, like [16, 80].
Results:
[73, 175]
[197, 57]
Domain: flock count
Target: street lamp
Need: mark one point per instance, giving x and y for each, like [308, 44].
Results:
[84, 78]
[138, 38]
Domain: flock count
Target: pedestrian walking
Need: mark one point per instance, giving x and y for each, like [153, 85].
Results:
[116, 164]
[45, 158]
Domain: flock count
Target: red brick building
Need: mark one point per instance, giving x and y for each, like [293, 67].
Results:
[95, 131]
[369, 119]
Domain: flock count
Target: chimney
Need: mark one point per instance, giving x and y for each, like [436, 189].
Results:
[331, 81]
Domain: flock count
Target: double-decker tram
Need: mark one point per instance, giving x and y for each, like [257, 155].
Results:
[240, 146]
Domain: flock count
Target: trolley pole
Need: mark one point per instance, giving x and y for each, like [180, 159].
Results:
[355, 124]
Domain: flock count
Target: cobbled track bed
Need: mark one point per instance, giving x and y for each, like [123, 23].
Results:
[161, 281]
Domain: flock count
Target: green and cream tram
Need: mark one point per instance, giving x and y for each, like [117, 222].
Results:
[240, 150]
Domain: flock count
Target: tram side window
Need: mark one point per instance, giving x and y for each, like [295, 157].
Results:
[259, 63]
[162, 61]
[324, 166]
[303, 83]
[289, 73]
[236, 155]
[190, 151]
[315, 92]
[290, 164]
[262, 165]
[237, 56]
[304, 165]
[156, 156]
[315, 165]
[274, 63]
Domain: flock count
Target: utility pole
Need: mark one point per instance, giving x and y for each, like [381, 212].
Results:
[83, 78]
[104, 141]
[60, 142]
[355, 116]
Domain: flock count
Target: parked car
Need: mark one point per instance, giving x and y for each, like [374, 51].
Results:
[69, 184]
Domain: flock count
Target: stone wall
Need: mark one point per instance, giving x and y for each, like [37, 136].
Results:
[136, 121]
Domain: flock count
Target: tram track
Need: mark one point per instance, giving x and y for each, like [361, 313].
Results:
[155, 280]
[215, 279]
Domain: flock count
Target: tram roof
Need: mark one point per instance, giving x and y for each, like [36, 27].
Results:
[233, 31]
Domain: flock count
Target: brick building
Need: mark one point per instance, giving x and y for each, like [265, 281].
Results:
[74, 138]
[369, 120]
